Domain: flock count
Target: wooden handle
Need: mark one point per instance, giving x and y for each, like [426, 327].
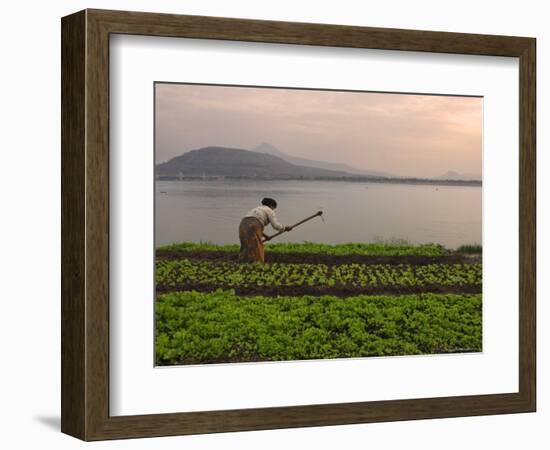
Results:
[318, 213]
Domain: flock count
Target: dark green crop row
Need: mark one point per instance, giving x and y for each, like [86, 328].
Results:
[381, 249]
[228, 274]
[197, 328]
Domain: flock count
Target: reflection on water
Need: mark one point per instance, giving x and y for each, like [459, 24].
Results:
[354, 212]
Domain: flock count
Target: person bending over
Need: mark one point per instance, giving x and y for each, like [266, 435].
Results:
[251, 230]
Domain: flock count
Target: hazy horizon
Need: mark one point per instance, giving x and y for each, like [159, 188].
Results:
[403, 134]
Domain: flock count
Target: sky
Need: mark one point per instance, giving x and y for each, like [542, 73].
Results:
[403, 134]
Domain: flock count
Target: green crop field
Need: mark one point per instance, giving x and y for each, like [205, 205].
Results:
[379, 249]
[212, 309]
[180, 272]
[222, 327]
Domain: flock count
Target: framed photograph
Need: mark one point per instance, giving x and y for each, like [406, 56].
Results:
[273, 225]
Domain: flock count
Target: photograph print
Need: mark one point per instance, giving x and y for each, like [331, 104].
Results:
[304, 224]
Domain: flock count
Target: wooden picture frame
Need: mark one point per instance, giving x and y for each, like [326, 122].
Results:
[85, 224]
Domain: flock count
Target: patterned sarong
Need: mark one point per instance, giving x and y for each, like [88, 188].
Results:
[251, 237]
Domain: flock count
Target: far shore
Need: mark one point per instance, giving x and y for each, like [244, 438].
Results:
[417, 181]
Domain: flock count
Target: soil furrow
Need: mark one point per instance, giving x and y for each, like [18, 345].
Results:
[318, 258]
[339, 291]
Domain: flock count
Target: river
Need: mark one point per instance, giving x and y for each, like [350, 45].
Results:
[353, 212]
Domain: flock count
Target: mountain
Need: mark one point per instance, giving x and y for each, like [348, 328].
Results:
[272, 150]
[452, 175]
[236, 162]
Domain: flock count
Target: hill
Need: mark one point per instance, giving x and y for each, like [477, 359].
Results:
[272, 150]
[452, 175]
[235, 162]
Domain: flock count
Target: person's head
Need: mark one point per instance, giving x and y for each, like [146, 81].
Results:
[269, 202]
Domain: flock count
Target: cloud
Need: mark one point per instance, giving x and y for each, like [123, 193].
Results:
[418, 135]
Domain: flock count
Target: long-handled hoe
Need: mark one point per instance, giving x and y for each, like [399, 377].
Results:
[318, 213]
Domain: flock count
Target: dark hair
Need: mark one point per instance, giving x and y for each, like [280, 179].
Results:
[269, 202]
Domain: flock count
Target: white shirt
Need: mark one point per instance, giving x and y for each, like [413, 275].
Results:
[265, 215]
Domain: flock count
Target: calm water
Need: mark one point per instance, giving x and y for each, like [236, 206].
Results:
[353, 212]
